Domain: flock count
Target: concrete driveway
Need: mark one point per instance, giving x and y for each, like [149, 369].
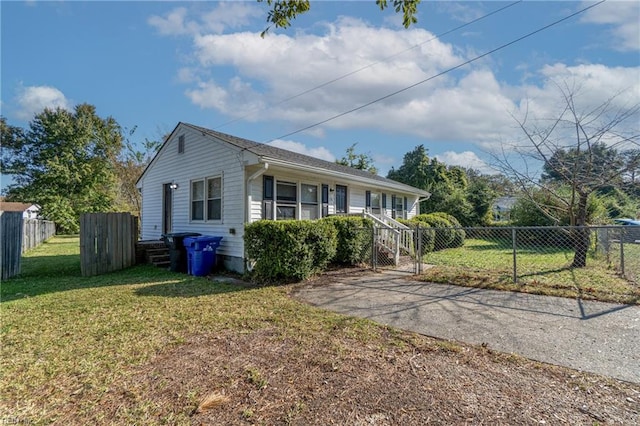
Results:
[602, 338]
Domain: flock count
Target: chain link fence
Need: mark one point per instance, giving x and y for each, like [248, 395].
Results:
[531, 253]
[525, 255]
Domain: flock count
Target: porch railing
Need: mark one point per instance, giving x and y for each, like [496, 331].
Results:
[392, 236]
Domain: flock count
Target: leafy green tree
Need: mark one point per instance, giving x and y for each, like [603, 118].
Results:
[358, 161]
[480, 195]
[64, 162]
[282, 12]
[129, 165]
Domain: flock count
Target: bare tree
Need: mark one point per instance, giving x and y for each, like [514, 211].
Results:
[571, 156]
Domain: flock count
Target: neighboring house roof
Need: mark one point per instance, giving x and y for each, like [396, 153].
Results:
[284, 157]
[505, 203]
[15, 207]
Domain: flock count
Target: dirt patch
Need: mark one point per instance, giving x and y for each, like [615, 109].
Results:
[268, 377]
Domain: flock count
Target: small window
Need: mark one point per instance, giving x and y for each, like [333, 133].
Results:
[287, 192]
[180, 144]
[214, 198]
[309, 201]
[375, 203]
[399, 208]
[267, 183]
[286, 198]
[206, 199]
[197, 200]
[325, 200]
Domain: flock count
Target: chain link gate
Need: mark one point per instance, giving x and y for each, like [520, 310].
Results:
[394, 248]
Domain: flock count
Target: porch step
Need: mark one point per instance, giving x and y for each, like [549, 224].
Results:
[159, 258]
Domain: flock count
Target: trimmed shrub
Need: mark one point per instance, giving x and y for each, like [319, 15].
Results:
[428, 235]
[354, 238]
[289, 250]
[459, 234]
[445, 234]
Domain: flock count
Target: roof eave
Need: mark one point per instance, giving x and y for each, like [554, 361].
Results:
[361, 179]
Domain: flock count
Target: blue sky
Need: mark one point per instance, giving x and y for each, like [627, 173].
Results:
[152, 64]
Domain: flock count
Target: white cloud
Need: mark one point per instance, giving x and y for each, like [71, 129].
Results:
[624, 18]
[469, 105]
[319, 152]
[34, 99]
[467, 159]
[181, 21]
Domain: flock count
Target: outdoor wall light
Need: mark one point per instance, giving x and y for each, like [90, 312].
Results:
[173, 186]
[331, 189]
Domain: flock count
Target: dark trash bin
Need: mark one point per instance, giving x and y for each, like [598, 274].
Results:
[201, 254]
[177, 251]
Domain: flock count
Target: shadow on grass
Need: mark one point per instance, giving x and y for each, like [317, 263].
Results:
[52, 274]
[190, 287]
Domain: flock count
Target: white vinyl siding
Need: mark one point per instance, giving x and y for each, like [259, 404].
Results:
[202, 157]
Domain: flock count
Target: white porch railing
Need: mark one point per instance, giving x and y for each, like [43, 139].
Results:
[392, 236]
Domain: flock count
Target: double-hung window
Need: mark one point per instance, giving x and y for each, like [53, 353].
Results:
[214, 198]
[286, 200]
[197, 200]
[309, 201]
[206, 199]
[375, 203]
[399, 207]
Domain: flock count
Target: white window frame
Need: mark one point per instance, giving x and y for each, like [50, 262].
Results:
[298, 204]
[205, 199]
[199, 200]
[209, 198]
[288, 204]
[316, 203]
[376, 209]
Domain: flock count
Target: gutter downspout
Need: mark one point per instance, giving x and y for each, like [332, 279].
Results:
[421, 200]
[257, 174]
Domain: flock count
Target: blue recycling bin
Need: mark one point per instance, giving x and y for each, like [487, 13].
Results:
[201, 254]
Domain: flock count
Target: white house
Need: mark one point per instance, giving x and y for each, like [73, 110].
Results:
[29, 210]
[213, 183]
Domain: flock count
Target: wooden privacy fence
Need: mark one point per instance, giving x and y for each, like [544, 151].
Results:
[107, 242]
[10, 243]
[36, 232]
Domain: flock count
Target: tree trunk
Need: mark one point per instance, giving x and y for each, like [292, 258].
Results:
[580, 235]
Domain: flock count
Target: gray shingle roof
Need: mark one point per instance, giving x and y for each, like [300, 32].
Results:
[272, 152]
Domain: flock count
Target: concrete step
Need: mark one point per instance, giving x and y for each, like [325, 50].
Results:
[156, 258]
[162, 264]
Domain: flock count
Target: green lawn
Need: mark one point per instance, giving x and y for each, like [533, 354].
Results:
[488, 264]
[96, 350]
[63, 333]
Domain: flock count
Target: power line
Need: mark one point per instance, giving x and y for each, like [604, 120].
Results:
[440, 73]
[327, 83]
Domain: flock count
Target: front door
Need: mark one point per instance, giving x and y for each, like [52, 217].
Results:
[167, 207]
[341, 199]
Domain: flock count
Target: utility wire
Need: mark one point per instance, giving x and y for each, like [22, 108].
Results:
[320, 86]
[342, 114]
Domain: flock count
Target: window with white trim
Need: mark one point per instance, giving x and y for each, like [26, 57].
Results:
[399, 207]
[375, 203]
[206, 199]
[286, 200]
[197, 200]
[308, 201]
[214, 198]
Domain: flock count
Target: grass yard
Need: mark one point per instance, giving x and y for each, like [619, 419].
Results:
[147, 346]
[486, 264]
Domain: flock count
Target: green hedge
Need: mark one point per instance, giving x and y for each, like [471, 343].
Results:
[289, 250]
[354, 239]
[447, 232]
